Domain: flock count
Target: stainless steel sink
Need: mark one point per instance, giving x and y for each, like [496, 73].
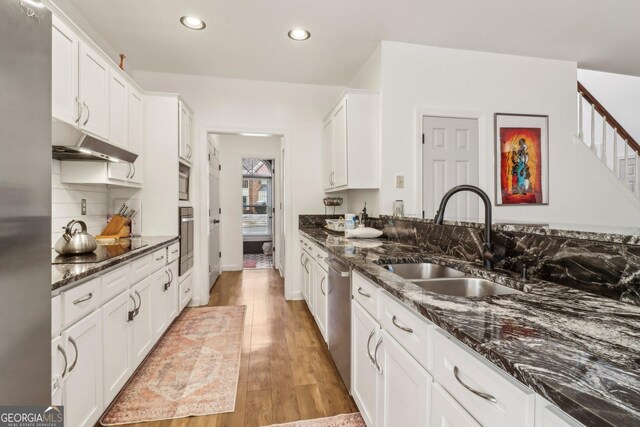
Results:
[423, 271]
[465, 287]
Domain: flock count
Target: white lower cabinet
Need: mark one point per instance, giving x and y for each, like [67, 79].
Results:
[405, 398]
[116, 344]
[160, 281]
[82, 388]
[320, 299]
[172, 298]
[142, 336]
[365, 333]
[186, 291]
[446, 412]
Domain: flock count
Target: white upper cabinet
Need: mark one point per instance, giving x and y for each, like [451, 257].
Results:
[350, 143]
[118, 111]
[187, 133]
[64, 73]
[94, 92]
[136, 133]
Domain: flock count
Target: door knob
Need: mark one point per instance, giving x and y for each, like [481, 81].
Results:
[216, 221]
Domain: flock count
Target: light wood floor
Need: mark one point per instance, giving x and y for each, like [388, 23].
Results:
[286, 372]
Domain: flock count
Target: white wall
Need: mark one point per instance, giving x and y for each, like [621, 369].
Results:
[422, 78]
[66, 204]
[619, 94]
[295, 110]
[233, 148]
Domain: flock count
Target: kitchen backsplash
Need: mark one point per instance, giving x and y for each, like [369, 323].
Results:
[66, 204]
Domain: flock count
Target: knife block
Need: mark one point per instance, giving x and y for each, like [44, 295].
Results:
[116, 228]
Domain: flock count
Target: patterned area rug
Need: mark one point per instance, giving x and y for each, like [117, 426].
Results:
[257, 261]
[343, 420]
[192, 371]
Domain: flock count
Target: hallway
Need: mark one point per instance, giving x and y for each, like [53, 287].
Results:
[286, 372]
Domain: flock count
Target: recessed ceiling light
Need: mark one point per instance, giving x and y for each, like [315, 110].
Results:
[193, 23]
[299, 34]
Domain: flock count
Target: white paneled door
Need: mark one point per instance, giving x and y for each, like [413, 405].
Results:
[449, 158]
[214, 214]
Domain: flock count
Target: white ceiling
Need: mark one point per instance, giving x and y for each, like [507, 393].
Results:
[248, 39]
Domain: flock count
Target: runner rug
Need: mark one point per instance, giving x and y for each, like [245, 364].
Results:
[343, 420]
[193, 370]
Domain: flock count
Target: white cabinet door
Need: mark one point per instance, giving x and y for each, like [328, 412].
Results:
[64, 73]
[405, 399]
[172, 301]
[340, 145]
[59, 365]
[136, 134]
[446, 412]
[116, 346]
[186, 291]
[365, 332]
[119, 171]
[142, 336]
[183, 151]
[327, 154]
[159, 280]
[190, 136]
[82, 389]
[118, 111]
[320, 300]
[304, 259]
[94, 92]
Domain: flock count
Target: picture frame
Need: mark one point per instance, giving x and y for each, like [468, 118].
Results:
[521, 159]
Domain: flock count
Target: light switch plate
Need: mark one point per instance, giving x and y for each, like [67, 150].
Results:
[83, 206]
[399, 181]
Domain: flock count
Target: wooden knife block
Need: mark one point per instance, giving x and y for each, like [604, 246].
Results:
[116, 228]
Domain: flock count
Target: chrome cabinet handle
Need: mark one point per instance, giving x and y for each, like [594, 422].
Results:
[167, 284]
[131, 314]
[373, 332]
[129, 173]
[139, 305]
[364, 294]
[161, 257]
[88, 114]
[301, 263]
[187, 291]
[134, 170]
[80, 110]
[319, 256]
[171, 275]
[83, 299]
[305, 265]
[322, 290]
[174, 251]
[375, 357]
[485, 396]
[75, 346]
[403, 328]
[64, 355]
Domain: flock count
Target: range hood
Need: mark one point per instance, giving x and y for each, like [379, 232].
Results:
[70, 143]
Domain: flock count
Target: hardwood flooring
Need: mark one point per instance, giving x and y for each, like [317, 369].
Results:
[286, 372]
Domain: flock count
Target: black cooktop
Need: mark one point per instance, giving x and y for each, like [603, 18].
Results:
[102, 253]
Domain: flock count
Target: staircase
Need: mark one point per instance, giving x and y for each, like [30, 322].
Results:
[608, 140]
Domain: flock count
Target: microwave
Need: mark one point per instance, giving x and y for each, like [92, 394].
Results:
[183, 186]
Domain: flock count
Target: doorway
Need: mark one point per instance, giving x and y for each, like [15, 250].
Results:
[214, 213]
[450, 157]
[257, 212]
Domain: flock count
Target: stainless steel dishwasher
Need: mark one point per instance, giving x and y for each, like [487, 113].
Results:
[339, 322]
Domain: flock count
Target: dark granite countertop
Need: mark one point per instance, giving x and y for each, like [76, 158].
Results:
[63, 275]
[578, 350]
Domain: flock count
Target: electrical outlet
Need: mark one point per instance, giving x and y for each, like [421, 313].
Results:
[83, 206]
[399, 181]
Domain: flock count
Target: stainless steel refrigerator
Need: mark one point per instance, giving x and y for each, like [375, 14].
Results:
[25, 203]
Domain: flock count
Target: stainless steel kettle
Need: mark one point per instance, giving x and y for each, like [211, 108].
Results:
[75, 242]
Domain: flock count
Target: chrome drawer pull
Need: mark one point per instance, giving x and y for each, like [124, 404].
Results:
[364, 294]
[160, 258]
[84, 298]
[373, 332]
[485, 396]
[64, 355]
[174, 251]
[404, 328]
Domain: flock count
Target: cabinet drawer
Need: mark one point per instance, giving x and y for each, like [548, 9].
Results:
[173, 252]
[56, 315]
[141, 268]
[412, 332]
[80, 301]
[446, 412]
[366, 293]
[158, 259]
[319, 255]
[307, 246]
[186, 291]
[488, 395]
[116, 281]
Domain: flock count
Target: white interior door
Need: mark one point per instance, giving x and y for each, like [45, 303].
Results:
[449, 158]
[214, 214]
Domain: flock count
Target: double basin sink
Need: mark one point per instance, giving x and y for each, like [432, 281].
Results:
[448, 281]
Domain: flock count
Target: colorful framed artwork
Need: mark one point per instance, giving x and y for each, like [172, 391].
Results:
[522, 159]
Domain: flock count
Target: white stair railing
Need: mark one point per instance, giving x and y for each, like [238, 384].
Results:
[608, 140]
